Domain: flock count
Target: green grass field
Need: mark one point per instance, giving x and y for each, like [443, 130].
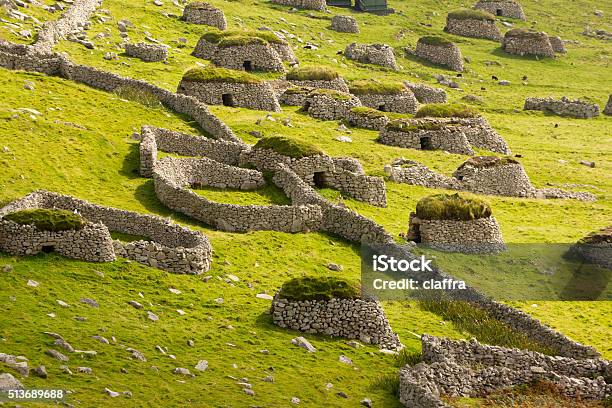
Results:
[72, 139]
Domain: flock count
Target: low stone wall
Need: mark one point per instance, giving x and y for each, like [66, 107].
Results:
[608, 108]
[404, 102]
[348, 318]
[502, 179]
[147, 52]
[249, 57]
[426, 94]
[411, 172]
[338, 84]
[557, 44]
[366, 120]
[304, 4]
[333, 106]
[364, 188]
[563, 107]
[474, 28]
[502, 8]
[257, 96]
[344, 24]
[172, 248]
[450, 139]
[537, 44]
[204, 13]
[295, 96]
[595, 248]
[447, 55]
[92, 243]
[377, 54]
[482, 235]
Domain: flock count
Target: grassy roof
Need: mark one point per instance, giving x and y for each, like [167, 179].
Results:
[298, 90]
[312, 73]
[452, 207]
[483, 162]
[319, 288]
[213, 74]
[365, 87]
[338, 95]
[524, 33]
[434, 40]
[470, 14]
[598, 237]
[408, 125]
[238, 40]
[47, 219]
[446, 110]
[216, 36]
[368, 112]
[288, 147]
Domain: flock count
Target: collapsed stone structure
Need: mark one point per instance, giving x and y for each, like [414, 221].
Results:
[502, 8]
[218, 86]
[349, 318]
[469, 23]
[147, 52]
[367, 118]
[439, 51]
[564, 107]
[319, 5]
[170, 247]
[377, 54]
[427, 94]
[527, 42]
[608, 108]
[345, 24]
[327, 104]
[470, 369]
[199, 12]
[595, 248]
[483, 175]
[386, 98]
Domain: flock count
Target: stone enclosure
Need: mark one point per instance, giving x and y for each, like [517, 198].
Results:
[399, 101]
[426, 94]
[204, 13]
[439, 51]
[528, 42]
[377, 54]
[469, 24]
[502, 8]
[564, 107]
[344, 24]
[147, 52]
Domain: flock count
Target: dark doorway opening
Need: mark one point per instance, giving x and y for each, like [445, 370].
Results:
[426, 143]
[319, 179]
[47, 249]
[247, 65]
[499, 12]
[228, 100]
[382, 107]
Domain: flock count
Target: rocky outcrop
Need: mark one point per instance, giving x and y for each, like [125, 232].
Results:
[377, 54]
[440, 52]
[527, 42]
[204, 13]
[502, 8]
[564, 107]
[147, 52]
[344, 24]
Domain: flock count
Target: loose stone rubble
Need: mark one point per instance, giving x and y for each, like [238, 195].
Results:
[377, 54]
[441, 52]
[564, 107]
[147, 52]
[204, 13]
[344, 24]
[502, 8]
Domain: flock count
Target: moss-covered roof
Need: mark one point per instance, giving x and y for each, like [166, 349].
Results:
[452, 207]
[319, 288]
[312, 73]
[288, 147]
[368, 87]
[368, 112]
[408, 125]
[470, 14]
[298, 90]
[48, 219]
[447, 110]
[483, 162]
[200, 5]
[217, 36]
[435, 40]
[239, 40]
[338, 95]
[524, 33]
[214, 74]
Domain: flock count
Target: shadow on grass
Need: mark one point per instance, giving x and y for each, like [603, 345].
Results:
[131, 163]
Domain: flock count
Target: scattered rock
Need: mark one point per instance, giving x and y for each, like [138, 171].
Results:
[366, 402]
[334, 267]
[303, 343]
[202, 365]
[110, 56]
[152, 316]
[112, 394]
[295, 400]
[342, 394]
[504, 82]
[344, 139]
[29, 85]
[135, 304]
[175, 291]
[90, 302]
[33, 283]
[345, 360]
[63, 344]
[84, 370]
[190, 343]
[269, 379]
[101, 339]
[587, 163]
[181, 371]
[62, 303]
[249, 392]
[56, 355]
[264, 296]
[8, 382]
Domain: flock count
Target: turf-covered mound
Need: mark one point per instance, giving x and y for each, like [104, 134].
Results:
[367, 112]
[486, 162]
[48, 219]
[470, 14]
[241, 37]
[452, 207]
[366, 87]
[214, 74]
[288, 147]
[319, 288]
[444, 110]
[435, 41]
[312, 73]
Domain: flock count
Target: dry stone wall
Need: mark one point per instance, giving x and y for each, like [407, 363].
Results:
[348, 318]
[531, 43]
[404, 102]
[259, 96]
[451, 139]
[330, 106]
[147, 52]
[295, 96]
[447, 55]
[366, 120]
[249, 57]
[502, 8]
[475, 28]
[204, 13]
[344, 24]
[319, 5]
[426, 94]
[377, 54]
[338, 84]
[563, 107]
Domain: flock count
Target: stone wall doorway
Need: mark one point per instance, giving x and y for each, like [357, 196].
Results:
[228, 100]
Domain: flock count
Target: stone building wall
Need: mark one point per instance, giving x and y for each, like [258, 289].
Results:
[249, 57]
[172, 248]
[502, 8]
[537, 44]
[447, 55]
[366, 120]
[427, 94]
[295, 96]
[364, 188]
[377, 54]
[450, 139]
[416, 174]
[204, 13]
[319, 5]
[338, 84]
[404, 102]
[475, 28]
[330, 106]
[348, 318]
[608, 108]
[344, 24]
[564, 107]
[147, 52]
[257, 96]
[503, 179]
[557, 44]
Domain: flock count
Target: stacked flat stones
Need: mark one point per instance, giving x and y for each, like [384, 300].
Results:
[440, 52]
[427, 94]
[495, 176]
[319, 5]
[502, 8]
[204, 13]
[400, 100]
[527, 42]
[477, 25]
[344, 24]
[367, 118]
[563, 107]
[147, 52]
[377, 54]
[330, 104]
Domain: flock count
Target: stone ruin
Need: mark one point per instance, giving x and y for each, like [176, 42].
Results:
[608, 108]
[502, 8]
[470, 23]
[400, 100]
[366, 118]
[564, 107]
[147, 52]
[344, 24]
[440, 52]
[377, 54]
[224, 88]
[426, 94]
[319, 5]
[595, 248]
[360, 319]
[199, 12]
[528, 42]
[481, 174]
[169, 246]
[327, 104]
[454, 135]
[246, 51]
[459, 368]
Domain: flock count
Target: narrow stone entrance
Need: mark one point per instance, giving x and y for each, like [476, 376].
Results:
[499, 12]
[247, 65]
[228, 100]
[319, 179]
[426, 143]
[382, 107]
[47, 249]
